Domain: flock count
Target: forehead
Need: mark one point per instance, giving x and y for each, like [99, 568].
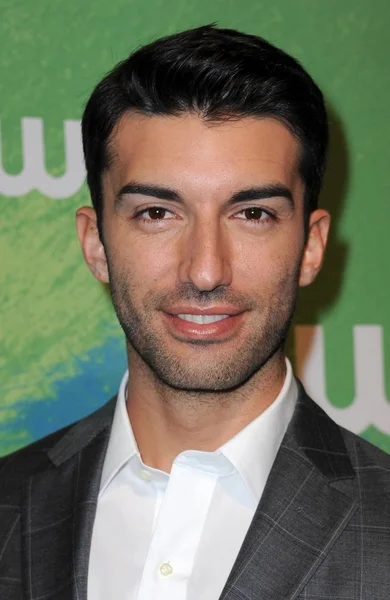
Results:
[188, 150]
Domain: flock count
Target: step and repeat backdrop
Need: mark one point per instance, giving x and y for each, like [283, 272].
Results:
[62, 352]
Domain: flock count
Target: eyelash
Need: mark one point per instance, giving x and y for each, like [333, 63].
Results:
[269, 216]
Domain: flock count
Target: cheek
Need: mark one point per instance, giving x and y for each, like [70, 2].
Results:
[267, 264]
[143, 262]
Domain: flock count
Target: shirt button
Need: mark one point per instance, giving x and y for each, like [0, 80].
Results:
[145, 475]
[166, 569]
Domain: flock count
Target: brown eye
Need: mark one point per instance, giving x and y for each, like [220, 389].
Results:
[254, 213]
[156, 213]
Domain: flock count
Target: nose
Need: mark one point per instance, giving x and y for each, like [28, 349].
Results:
[205, 257]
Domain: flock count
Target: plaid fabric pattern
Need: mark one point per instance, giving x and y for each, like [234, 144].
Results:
[321, 530]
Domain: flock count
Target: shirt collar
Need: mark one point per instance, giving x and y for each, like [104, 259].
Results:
[121, 445]
[251, 452]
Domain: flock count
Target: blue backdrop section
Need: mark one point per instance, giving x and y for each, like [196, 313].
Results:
[100, 375]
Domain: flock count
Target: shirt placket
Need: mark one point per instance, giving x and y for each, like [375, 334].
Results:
[178, 529]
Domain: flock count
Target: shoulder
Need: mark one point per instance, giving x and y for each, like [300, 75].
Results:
[336, 439]
[337, 451]
[29, 459]
[366, 458]
[18, 467]
[39, 456]
[372, 482]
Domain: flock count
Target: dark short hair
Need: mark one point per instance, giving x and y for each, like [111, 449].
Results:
[218, 74]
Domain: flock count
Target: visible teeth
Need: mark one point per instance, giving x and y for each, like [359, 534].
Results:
[202, 319]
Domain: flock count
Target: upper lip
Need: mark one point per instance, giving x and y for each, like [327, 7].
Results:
[201, 310]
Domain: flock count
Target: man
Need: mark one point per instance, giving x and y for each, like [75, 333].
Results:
[212, 475]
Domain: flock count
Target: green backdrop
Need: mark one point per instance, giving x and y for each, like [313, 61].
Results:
[62, 353]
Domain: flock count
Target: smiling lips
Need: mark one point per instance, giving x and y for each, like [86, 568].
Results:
[213, 324]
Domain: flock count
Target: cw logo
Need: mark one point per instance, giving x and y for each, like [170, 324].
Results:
[34, 175]
[370, 406]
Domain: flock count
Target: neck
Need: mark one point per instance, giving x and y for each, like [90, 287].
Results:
[167, 422]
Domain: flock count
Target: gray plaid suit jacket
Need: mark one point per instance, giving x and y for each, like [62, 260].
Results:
[321, 530]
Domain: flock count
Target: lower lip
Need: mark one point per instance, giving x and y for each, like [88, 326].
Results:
[217, 331]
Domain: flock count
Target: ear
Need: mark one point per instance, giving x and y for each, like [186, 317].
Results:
[313, 254]
[91, 245]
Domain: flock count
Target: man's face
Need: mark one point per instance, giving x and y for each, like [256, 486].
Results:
[204, 240]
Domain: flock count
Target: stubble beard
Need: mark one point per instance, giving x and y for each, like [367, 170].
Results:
[203, 374]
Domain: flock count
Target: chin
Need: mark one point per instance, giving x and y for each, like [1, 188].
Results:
[204, 380]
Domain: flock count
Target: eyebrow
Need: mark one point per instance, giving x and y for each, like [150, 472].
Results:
[156, 191]
[262, 192]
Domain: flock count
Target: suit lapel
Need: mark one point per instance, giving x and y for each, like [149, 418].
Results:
[308, 500]
[58, 511]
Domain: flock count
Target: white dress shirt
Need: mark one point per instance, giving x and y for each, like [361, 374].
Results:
[160, 536]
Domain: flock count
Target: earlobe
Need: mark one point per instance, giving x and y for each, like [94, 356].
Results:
[91, 245]
[314, 251]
